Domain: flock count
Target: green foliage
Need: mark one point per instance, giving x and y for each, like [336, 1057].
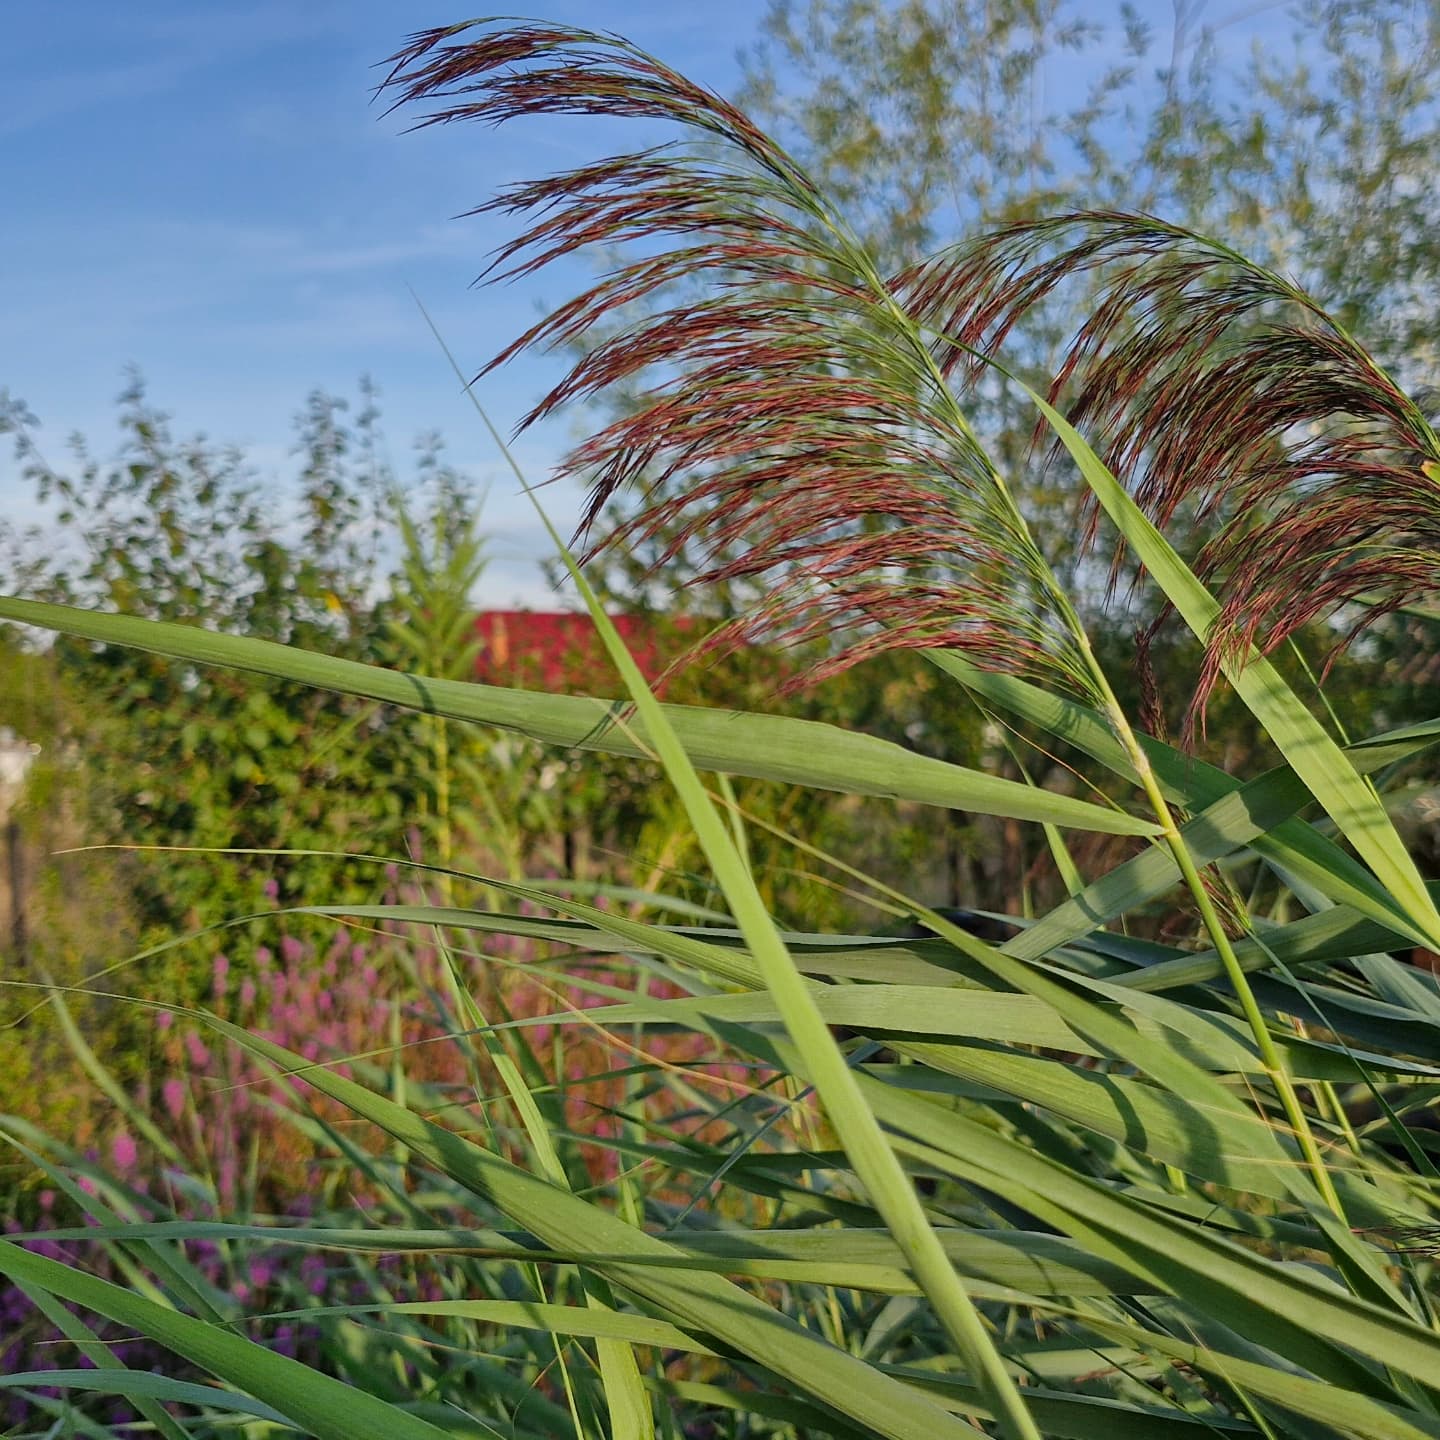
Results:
[1140, 1168]
[931, 120]
[172, 762]
[182, 530]
[925, 118]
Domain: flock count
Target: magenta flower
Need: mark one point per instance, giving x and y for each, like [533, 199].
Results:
[229, 1175]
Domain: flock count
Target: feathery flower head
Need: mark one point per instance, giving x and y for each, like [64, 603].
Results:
[1229, 402]
[792, 427]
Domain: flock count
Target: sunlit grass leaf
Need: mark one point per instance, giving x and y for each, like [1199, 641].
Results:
[314, 1403]
[770, 747]
[706, 1303]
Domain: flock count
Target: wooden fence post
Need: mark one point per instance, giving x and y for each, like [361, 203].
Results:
[20, 941]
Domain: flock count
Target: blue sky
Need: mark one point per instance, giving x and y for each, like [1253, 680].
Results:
[204, 189]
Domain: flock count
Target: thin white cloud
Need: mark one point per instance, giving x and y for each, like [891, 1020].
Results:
[174, 47]
[30, 106]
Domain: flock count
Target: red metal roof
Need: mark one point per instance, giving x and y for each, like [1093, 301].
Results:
[559, 650]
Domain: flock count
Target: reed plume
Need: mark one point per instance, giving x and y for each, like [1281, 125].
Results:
[1226, 398]
[792, 426]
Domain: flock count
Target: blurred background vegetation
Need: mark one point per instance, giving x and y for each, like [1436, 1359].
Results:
[921, 117]
[166, 800]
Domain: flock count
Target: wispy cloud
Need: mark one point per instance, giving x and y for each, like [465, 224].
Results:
[32, 104]
[207, 190]
[135, 55]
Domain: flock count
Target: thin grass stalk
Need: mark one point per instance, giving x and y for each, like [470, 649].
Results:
[1175, 843]
[969, 944]
[1140, 762]
[1219, 938]
[1213, 430]
[314, 1402]
[907, 360]
[889, 340]
[479, 1031]
[98, 1353]
[875, 1161]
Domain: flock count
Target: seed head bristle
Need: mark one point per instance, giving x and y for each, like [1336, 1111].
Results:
[791, 427]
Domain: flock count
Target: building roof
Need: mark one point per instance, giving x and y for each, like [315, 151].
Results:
[559, 650]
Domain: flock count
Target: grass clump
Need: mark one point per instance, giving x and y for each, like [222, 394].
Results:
[603, 1168]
